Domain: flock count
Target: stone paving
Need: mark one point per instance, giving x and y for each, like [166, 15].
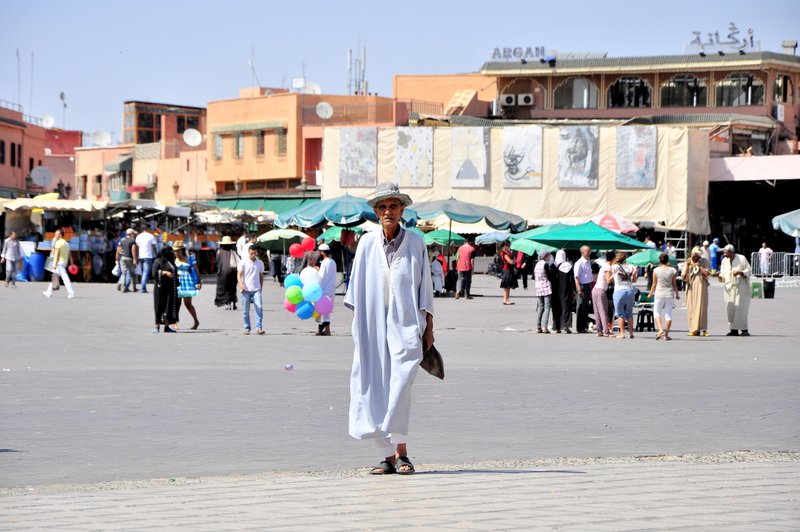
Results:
[106, 426]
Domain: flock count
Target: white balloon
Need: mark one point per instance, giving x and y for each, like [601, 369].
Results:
[309, 275]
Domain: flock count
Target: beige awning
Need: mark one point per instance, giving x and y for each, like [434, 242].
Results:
[28, 204]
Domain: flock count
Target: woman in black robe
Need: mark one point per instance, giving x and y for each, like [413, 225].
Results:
[165, 291]
[564, 291]
[227, 263]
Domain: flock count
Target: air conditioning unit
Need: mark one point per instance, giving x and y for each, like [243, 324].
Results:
[525, 99]
[152, 179]
[508, 100]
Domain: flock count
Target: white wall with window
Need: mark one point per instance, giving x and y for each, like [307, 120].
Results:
[576, 93]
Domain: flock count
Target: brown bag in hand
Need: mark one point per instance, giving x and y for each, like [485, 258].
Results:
[432, 362]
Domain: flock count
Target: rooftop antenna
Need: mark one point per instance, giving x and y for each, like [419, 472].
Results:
[252, 64]
[30, 96]
[356, 71]
[19, 80]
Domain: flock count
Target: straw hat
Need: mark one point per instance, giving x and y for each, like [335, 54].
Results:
[388, 190]
[226, 240]
[178, 244]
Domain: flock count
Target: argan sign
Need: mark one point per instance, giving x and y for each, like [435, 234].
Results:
[517, 53]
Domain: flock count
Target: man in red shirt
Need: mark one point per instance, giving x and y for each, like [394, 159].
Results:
[464, 266]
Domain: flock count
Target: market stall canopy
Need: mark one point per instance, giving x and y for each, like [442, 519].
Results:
[530, 247]
[443, 237]
[334, 234]
[462, 211]
[279, 205]
[788, 222]
[648, 257]
[530, 233]
[28, 204]
[615, 223]
[588, 234]
[493, 237]
[478, 228]
[279, 239]
[346, 211]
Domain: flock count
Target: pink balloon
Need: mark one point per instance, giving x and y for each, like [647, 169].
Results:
[296, 251]
[309, 244]
[289, 306]
[324, 305]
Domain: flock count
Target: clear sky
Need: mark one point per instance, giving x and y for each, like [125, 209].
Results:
[101, 53]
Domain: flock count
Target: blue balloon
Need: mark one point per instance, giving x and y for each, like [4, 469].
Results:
[312, 292]
[304, 310]
[292, 280]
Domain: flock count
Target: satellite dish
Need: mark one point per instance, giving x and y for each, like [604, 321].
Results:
[48, 121]
[192, 137]
[324, 110]
[42, 176]
[101, 138]
[312, 88]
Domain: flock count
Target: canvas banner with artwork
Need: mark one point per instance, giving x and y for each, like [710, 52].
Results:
[578, 154]
[636, 157]
[522, 157]
[414, 157]
[470, 146]
[358, 157]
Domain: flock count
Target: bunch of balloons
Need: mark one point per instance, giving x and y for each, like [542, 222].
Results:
[298, 250]
[303, 292]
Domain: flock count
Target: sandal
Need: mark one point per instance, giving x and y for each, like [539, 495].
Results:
[659, 335]
[403, 461]
[384, 468]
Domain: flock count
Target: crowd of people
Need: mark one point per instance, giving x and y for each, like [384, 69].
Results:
[602, 294]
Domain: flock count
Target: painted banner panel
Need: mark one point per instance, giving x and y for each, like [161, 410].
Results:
[414, 157]
[469, 157]
[636, 157]
[358, 157]
[522, 157]
[578, 154]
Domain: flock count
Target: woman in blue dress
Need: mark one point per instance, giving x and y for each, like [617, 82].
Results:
[189, 283]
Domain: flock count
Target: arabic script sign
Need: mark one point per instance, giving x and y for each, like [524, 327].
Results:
[732, 44]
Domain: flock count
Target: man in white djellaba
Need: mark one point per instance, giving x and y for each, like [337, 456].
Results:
[391, 295]
[734, 273]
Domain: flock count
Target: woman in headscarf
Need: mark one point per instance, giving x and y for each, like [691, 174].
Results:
[565, 292]
[544, 291]
[509, 278]
[165, 291]
[695, 276]
[227, 262]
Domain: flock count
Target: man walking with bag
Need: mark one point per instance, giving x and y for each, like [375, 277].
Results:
[61, 259]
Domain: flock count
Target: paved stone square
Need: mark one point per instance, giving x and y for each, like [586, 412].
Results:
[97, 415]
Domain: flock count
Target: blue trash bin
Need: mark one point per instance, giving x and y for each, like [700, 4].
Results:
[37, 266]
[24, 272]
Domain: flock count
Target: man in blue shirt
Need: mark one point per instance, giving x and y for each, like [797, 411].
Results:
[714, 250]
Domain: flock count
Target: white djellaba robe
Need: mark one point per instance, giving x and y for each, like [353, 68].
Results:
[327, 274]
[737, 291]
[390, 304]
[437, 274]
